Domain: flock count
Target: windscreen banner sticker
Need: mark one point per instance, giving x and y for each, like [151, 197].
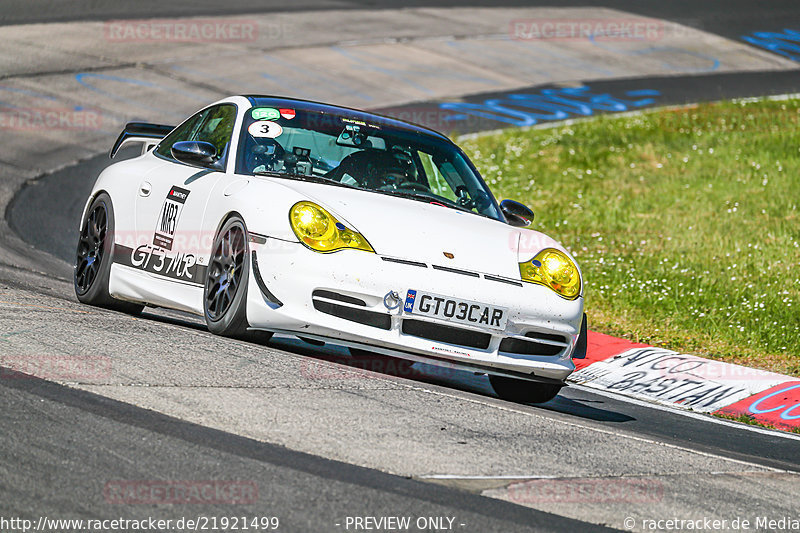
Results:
[411, 297]
[266, 113]
[168, 218]
[265, 129]
[359, 123]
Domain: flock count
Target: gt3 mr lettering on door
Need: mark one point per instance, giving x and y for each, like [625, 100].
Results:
[176, 265]
[168, 217]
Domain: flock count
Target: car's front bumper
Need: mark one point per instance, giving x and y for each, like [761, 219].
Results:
[339, 297]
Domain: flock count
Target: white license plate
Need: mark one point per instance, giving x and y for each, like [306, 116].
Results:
[456, 310]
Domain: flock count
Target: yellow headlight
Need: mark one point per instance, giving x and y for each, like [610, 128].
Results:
[552, 268]
[320, 231]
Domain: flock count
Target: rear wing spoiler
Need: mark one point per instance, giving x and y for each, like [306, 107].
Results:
[140, 132]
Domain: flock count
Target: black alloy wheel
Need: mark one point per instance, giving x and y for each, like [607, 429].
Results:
[225, 272]
[91, 247]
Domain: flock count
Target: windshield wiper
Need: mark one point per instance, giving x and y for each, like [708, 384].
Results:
[428, 198]
[301, 177]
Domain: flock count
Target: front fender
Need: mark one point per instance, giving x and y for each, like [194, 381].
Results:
[263, 205]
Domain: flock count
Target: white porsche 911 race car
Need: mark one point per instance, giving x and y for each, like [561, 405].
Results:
[267, 214]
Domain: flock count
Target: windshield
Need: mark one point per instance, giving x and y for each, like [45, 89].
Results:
[348, 150]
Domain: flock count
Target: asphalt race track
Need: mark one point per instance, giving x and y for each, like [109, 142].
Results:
[725, 17]
[93, 433]
[319, 437]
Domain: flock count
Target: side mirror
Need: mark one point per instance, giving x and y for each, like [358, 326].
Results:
[196, 153]
[516, 214]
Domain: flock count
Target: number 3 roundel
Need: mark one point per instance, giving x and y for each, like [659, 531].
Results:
[265, 128]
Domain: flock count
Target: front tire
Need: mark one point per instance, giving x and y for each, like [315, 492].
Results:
[94, 256]
[522, 391]
[225, 288]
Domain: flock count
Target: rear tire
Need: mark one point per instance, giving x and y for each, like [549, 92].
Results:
[522, 391]
[94, 256]
[225, 288]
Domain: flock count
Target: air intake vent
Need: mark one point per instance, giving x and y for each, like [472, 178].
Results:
[362, 316]
[446, 334]
[555, 337]
[546, 345]
[330, 295]
[502, 280]
[404, 262]
[457, 271]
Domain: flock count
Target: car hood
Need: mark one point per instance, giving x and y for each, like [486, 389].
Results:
[418, 231]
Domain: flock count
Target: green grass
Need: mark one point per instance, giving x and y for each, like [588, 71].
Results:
[686, 222]
[751, 420]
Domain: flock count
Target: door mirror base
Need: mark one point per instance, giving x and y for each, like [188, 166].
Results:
[197, 154]
[517, 214]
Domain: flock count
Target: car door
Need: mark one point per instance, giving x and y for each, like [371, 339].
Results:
[173, 198]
